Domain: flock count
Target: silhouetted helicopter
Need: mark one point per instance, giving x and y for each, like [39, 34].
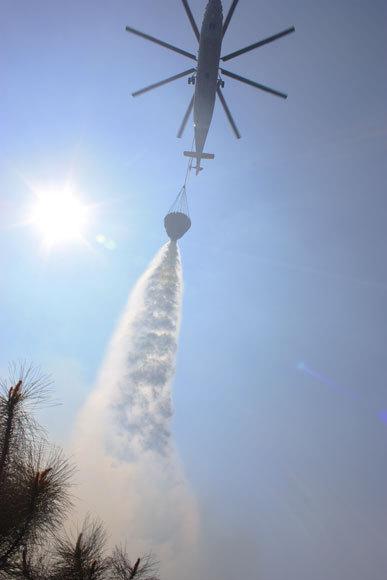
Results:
[205, 76]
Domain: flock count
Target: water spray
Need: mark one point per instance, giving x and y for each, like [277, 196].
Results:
[130, 471]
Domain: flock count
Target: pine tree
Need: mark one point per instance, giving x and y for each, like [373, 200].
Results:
[35, 499]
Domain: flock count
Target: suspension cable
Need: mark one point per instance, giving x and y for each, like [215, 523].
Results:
[182, 195]
[189, 167]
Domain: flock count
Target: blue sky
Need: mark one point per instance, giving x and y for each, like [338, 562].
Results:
[284, 264]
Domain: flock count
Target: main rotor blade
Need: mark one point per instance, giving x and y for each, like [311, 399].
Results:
[229, 16]
[191, 19]
[258, 44]
[228, 114]
[164, 82]
[253, 84]
[186, 117]
[161, 42]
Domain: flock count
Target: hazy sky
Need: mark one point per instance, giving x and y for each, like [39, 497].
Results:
[281, 378]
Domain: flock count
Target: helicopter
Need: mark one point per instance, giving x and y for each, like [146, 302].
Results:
[204, 76]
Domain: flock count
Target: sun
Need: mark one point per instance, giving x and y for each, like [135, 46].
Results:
[59, 215]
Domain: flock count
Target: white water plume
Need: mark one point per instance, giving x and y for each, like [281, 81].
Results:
[129, 470]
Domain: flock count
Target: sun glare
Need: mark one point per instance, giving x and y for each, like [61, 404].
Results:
[60, 216]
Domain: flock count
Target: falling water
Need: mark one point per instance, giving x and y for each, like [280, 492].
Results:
[147, 339]
[130, 472]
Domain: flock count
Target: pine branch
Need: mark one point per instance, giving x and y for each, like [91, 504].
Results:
[37, 498]
[84, 560]
[9, 408]
[37, 488]
[145, 568]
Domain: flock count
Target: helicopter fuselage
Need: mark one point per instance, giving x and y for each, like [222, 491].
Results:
[205, 75]
[210, 44]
